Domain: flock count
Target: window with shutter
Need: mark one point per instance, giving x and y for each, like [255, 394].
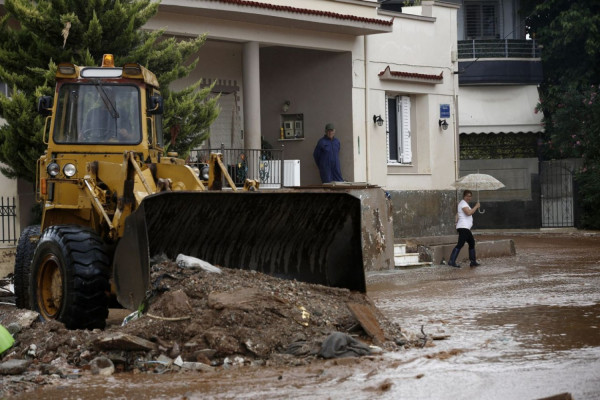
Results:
[398, 130]
[404, 128]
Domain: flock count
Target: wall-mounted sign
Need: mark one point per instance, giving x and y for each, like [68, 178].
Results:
[444, 110]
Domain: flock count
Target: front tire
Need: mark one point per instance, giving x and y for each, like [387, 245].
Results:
[70, 277]
[25, 251]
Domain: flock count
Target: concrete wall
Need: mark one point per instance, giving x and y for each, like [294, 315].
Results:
[423, 213]
[517, 205]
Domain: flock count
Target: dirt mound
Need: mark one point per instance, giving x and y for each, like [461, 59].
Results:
[202, 320]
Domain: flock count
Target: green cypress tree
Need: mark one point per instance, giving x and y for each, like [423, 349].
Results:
[36, 36]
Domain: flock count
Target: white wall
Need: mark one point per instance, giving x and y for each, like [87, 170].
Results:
[422, 45]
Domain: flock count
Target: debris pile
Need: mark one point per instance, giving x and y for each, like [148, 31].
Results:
[202, 319]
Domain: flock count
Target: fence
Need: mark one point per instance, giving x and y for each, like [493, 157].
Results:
[8, 214]
[263, 165]
[498, 48]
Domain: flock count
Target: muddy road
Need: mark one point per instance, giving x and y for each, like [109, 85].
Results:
[522, 327]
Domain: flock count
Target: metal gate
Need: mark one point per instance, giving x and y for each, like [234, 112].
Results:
[556, 185]
[8, 220]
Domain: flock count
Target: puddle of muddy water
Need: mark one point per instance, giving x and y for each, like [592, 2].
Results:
[553, 328]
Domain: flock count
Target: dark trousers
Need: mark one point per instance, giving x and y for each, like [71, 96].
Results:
[465, 235]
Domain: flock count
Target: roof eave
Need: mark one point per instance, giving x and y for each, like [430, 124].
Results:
[280, 17]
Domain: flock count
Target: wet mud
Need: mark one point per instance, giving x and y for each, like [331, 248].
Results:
[521, 327]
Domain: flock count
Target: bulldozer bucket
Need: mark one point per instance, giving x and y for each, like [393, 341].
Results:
[311, 236]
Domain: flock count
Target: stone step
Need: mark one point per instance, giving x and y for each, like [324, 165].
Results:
[399, 249]
[404, 259]
[437, 249]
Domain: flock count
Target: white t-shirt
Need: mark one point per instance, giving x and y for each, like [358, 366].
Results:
[464, 220]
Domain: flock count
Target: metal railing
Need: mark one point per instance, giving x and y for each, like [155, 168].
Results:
[498, 48]
[263, 165]
[8, 214]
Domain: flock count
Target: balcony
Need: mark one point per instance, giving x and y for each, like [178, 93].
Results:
[499, 61]
[498, 48]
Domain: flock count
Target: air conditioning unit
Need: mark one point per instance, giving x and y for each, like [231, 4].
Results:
[269, 172]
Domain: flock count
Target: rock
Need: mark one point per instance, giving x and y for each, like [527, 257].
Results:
[31, 350]
[221, 340]
[174, 304]
[167, 361]
[14, 367]
[175, 351]
[102, 366]
[26, 318]
[178, 361]
[13, 328]
[196, 366]
[257, 348]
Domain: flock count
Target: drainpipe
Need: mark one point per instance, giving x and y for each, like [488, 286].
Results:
[368, 172]
[455, 133]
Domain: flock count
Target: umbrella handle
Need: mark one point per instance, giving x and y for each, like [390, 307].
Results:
[480, 211]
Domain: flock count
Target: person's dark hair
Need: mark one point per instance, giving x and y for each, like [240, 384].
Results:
[466, 192]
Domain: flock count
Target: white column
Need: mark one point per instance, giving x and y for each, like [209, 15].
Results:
[251, 86]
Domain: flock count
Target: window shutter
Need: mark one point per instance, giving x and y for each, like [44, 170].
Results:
[405, 129]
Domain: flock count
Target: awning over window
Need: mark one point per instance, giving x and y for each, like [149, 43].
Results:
[498, 109]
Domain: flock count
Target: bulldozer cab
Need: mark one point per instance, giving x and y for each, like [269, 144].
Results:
[98, 114]
[104, 108]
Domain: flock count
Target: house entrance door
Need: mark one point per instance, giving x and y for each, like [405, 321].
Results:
[556, 181]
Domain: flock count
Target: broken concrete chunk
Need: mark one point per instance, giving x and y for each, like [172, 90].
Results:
[196, 366]
[123, 341]
[102, 366]
[13, 367]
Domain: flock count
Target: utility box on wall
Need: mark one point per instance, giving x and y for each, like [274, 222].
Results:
[292, 126]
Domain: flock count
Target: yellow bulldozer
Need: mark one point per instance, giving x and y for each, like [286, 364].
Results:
[112, 199]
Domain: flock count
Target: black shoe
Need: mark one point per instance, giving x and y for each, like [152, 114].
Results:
[454, 265]
[475, 264]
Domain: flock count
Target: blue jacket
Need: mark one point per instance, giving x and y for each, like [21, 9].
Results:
[326, 156]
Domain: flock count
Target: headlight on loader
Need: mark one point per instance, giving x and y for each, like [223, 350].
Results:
[69, 170]
[53, 169]
[204, 173]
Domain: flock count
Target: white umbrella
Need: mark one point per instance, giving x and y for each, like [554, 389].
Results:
[478, 182]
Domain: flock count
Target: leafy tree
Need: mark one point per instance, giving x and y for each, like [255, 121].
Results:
[569, 31]
[35, 36]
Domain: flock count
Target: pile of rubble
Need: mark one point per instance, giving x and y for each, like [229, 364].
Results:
[201, 320]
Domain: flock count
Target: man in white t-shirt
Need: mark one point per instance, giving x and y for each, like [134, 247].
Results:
[464, 223]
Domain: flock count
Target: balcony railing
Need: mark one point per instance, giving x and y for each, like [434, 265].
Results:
[498, 48]
[263, 165]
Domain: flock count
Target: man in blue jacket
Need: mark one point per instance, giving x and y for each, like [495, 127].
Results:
[327, 156]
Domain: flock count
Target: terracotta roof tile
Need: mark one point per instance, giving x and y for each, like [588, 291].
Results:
[247, 3]
[402, 74]
[388, 73]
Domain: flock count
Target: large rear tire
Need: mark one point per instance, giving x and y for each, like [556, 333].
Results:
[25, 250]
[70, 277]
